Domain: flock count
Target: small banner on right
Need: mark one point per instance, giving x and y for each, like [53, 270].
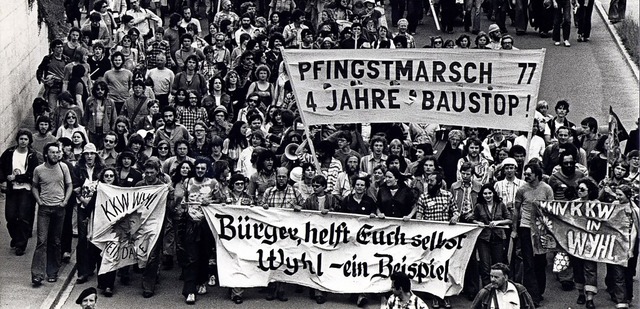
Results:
[591, 230]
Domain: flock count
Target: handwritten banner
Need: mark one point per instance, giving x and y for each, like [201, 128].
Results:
[593, 231]
[336, 252]
[126, 223]
[451, 86]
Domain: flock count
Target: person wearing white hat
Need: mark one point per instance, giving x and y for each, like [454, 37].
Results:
[85, 177]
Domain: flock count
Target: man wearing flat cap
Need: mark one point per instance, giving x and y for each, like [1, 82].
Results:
[87, 299]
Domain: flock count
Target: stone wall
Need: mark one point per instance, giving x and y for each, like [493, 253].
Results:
[22, 46]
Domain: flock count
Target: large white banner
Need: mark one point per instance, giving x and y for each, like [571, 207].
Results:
[126, 223]
[484, 88]
[338, 253]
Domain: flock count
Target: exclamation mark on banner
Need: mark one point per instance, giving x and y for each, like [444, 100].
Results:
[528, 104]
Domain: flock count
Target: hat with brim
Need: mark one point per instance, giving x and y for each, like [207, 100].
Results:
[89, 148]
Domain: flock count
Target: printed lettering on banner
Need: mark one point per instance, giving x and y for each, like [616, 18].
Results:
[127, 223]
[451, 86]
[591, 230]
[339, 253]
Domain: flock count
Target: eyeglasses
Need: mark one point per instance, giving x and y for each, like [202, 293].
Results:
[109, 141]
[239, 183]
[109, 176]
[437, 42]
[71, 117]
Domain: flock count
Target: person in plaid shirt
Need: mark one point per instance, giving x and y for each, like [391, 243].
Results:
[436, 204]
[188, 116]
[282, 195]
[156, 46]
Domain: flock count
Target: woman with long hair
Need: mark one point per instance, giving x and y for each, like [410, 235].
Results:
[175, 212]
[100, 115]
[217, 97]
[384, 39]
[122, 129]
[585, 273]
[70, 124]
[180, 98]
[395, 199]
[107, 280]
[493, 214]
[146, 122]
[78, 141]
[77, 86]
[236, 141]
[236, 93]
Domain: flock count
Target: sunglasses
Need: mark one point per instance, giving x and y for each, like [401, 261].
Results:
[582, 189]
[109, 141]
[239, 183]
[109, 175]
[71, 117]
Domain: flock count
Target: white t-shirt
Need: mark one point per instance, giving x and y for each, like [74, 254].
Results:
[536, 148]
[19, 164]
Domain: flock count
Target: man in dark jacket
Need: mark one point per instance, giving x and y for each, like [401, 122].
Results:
[502, 292]
[16, 169]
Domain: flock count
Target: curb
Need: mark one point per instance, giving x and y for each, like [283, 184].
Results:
[68, 273]
[605, 17]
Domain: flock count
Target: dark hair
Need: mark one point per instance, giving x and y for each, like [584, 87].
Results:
[600, 144]
[401, 160]
[194, 58]
[473, 141]
[95, 17]
[111, 169]
[420, 167]
[43, 119]
[319, 179]
[116, 54]
[401, 281]
[516, 149]
[169, 109]
[101, 84]
[398, 175]
[466, 166]
[126, 18]
[55, 43]
[236, 138]
[535, 169]
[592, 187]
[591, 122]
[177, 144]
[176, 177]
[501, 267]
[496, 197]
[26, 132]
[235, 178]
[367, 181]
[219, 167]
[174, 20]
[46, 147]
[264, 156]
[562, 103]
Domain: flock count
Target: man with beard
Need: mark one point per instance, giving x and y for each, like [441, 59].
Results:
[564, 184]
[171, 132]
[43, 136]
[436, 204]
[552, 154]
[282, 195]
[17, 165]
[245, 27]
[181, 150]
[450, 155]
[342, 187]
[245, 70]
[119, 81]
[293, 32]
[85, 177]
[108, 153]
[194, 237]
[502, 292]
[153, 176]
[401, 296]
[527, 200]
[187, 19]
[51, 187]
[495, 36]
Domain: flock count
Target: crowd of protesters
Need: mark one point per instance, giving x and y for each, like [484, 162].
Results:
[130, 101]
